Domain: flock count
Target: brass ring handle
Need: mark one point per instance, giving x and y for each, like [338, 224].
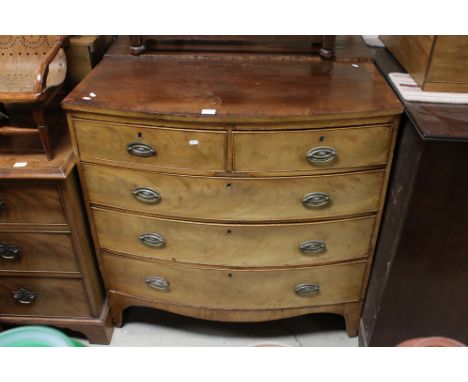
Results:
[305, 290]
[152, 240]
[140, 149]
[9, 251]
[2, 205]
[313, 247]
[24, 296]
[158, 283]
[316, 200]
[146, 195]
[321, 156]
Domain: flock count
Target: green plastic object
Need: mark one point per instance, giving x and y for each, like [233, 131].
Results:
[36, 336]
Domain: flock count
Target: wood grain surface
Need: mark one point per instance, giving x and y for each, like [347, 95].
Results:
[235, 199]
[286, 151]
[39, 252]
[174, 149]
[252, 90]
[237, 245]
[54, 297]
[31, 203]
[234, 289]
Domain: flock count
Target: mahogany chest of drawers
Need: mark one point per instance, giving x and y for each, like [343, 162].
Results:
[234, 191]
[48, 270]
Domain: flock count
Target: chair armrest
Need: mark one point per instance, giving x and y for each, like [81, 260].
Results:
[43, 70]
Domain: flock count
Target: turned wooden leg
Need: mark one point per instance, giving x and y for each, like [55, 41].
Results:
[328, 47]
[352, 315]
[137, 45]
[39, 120]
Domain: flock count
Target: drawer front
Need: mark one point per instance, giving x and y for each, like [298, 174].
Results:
[313, 151]
[155, 147]
[36, 252]
[234, 245]
[34, 296]
[30, 203]
[234, 289]
[235, 199]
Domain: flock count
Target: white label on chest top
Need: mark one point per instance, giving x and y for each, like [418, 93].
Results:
[20, 164]
[208, 111]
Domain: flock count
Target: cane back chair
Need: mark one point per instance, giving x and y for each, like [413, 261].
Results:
[32, 69]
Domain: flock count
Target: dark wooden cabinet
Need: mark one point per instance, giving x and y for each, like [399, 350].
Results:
[419, 281]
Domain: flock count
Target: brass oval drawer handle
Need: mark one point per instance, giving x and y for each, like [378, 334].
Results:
[313, 247]
[316, 200]
[24, 296]
[9, 251]
[152, 240]
[321, 156]
[158, 283]
[304, 290]
[140, 149]
[146, 195]
[2, 205]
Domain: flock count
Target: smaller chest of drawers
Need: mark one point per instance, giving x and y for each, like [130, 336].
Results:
[48, 270]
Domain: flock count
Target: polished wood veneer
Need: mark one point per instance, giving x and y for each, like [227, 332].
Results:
[42, 201]
[177, 149]
[206, 214]
[231, 199]
[236, 245]
[235, 289]
[35, 252]
[54, 297]
[283, 152]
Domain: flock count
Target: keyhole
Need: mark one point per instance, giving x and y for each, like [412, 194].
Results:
[229, 274]
[229, 186]
[322, 138]
[228, 232]
[139, 136]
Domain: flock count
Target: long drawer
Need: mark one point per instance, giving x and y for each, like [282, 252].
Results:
[155, 147]
[30, 203]
[234, 289]
[40, 296]
[237, 245]
[36, 252]
[311, 151]
[235, 199]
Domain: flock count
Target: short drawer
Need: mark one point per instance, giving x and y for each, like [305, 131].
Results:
[30, 203]
[34, 296]
[311, 151]
[36, 252]
[235, 199]
[155, 147]
[234, 289]
[238, 245]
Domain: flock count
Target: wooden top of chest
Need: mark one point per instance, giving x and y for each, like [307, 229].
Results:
[24, 158]
[151, 87]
